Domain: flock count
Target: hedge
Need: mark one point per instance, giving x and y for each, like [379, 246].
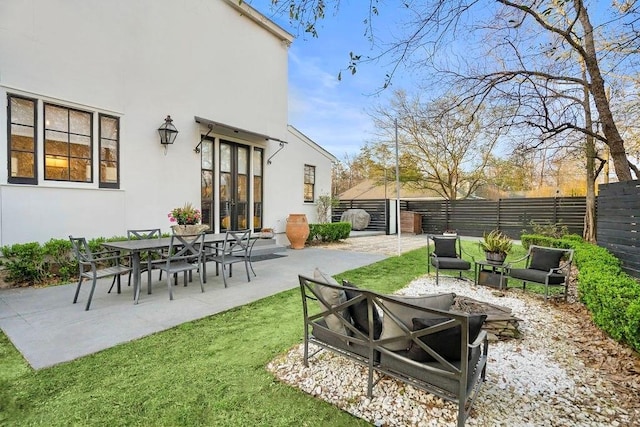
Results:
[610, 294]
[329, 232]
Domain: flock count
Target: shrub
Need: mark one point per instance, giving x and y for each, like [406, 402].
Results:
[611, 295]
[330, 232]
[24, 263]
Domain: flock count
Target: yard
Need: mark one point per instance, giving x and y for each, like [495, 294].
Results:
[212, 371]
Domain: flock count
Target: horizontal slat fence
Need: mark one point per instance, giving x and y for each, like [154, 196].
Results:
[475, 217]
[376, 208]
[511, 216]
[618, 227]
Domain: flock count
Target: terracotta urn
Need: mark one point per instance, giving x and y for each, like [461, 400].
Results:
[297, 230]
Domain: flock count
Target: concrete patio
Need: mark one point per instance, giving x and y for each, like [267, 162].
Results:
[48, 329]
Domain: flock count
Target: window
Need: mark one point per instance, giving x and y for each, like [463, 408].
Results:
[309, 183]
[22, 140]
[109, 131]
[257, 188]
[67, 144]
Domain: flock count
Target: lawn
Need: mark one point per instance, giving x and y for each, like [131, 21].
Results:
[206, 372]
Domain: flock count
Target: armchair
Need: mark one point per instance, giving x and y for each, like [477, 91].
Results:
[446, 255]
[96, 265]
[545, 266]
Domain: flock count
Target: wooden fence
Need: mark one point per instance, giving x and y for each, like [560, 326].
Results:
[475, 217]
[618, 227]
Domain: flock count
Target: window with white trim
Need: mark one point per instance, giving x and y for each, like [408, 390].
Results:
[22, 145]
[309, 183]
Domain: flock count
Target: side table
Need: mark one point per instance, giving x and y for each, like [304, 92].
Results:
[490, 274]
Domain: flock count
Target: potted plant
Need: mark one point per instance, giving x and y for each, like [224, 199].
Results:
[496, 245]
[267, 233]
[188, 219]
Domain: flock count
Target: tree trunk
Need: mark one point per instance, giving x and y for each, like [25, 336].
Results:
[589, 231]
[609, 128]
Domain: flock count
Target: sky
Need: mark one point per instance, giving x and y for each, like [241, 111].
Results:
[332, 113]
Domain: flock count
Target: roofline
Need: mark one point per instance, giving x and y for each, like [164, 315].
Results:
[312, 143]
[247, 10]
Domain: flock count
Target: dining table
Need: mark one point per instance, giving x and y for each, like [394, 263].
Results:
[136, 246]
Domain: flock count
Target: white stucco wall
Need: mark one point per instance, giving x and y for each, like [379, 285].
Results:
[142, 60]
[285, 174]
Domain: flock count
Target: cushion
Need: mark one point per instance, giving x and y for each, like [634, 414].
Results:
[333, 297]
[360, 313]
[445, 247]
[391, 330]
[537, 276]
[446, 342]
[451, 263]
[545, 259]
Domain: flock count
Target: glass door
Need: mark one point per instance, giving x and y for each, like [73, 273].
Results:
[234, 186]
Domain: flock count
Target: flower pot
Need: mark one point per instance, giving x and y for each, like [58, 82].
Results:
[495, 257]
[189, 229]
[297, 230]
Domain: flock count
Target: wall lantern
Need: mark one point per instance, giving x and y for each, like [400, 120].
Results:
[168, 133]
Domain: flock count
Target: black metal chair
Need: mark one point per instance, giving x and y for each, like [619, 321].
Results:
[544, 266]
[152, 257]
[184, 256]
[446, 255]
[236, 248]
[96, 265]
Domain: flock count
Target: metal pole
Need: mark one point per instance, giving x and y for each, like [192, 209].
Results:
[397, 188]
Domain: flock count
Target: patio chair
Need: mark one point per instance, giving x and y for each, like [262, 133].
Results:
[446, 255]
[153, 257]
[96, 265]
[545, 266]
[236, 248]
[184, 256]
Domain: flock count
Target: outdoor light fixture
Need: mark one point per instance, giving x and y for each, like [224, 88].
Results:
[168, 133]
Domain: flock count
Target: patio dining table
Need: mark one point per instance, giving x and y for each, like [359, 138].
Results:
[136, 247]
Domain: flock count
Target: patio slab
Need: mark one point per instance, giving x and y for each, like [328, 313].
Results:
[48, 329]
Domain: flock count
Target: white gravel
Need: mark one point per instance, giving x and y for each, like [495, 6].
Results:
[534, 381]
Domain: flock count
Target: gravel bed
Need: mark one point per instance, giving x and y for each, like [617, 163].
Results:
[538, 380]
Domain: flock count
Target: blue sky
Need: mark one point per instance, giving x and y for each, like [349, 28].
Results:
[332, 113]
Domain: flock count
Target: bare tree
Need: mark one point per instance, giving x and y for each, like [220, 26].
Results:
[543, 28]
[444, 148]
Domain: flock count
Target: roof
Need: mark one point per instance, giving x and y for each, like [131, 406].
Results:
[370, 189]
[301, 136]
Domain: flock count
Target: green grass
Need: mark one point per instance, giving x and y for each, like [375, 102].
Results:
[206, 372]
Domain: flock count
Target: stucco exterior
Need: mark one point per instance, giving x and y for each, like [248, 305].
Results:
[141, 61]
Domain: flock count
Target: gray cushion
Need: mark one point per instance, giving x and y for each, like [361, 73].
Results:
[537, 276]
[545, 259]
[391, 330]
[445, 246]
[333, 297]
[451, 263]
[446, 342]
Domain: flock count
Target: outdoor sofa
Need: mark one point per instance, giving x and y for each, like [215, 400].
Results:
[417, 340]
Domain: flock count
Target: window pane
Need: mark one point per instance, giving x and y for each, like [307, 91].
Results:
[207, 185]
[80, 170]
[22, 164]
[56, 167]
[56, 118]
[225, 158]
[109, 151]
[207, 155]
[80, 146]
[22, 140]
[22, 111]
[243, 160]
[257, 162]
[80, 122]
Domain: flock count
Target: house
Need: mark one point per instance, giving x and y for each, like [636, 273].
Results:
[88, 84]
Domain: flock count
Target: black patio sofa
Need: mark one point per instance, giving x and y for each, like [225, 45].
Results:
[417, 340]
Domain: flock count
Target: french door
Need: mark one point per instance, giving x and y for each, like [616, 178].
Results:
[228, 167]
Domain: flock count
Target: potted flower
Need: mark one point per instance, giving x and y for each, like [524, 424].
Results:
[267, 233]
[496, 245]
[188, 220]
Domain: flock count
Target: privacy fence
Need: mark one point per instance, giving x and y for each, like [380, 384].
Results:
[474, 217]
[618, 223]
